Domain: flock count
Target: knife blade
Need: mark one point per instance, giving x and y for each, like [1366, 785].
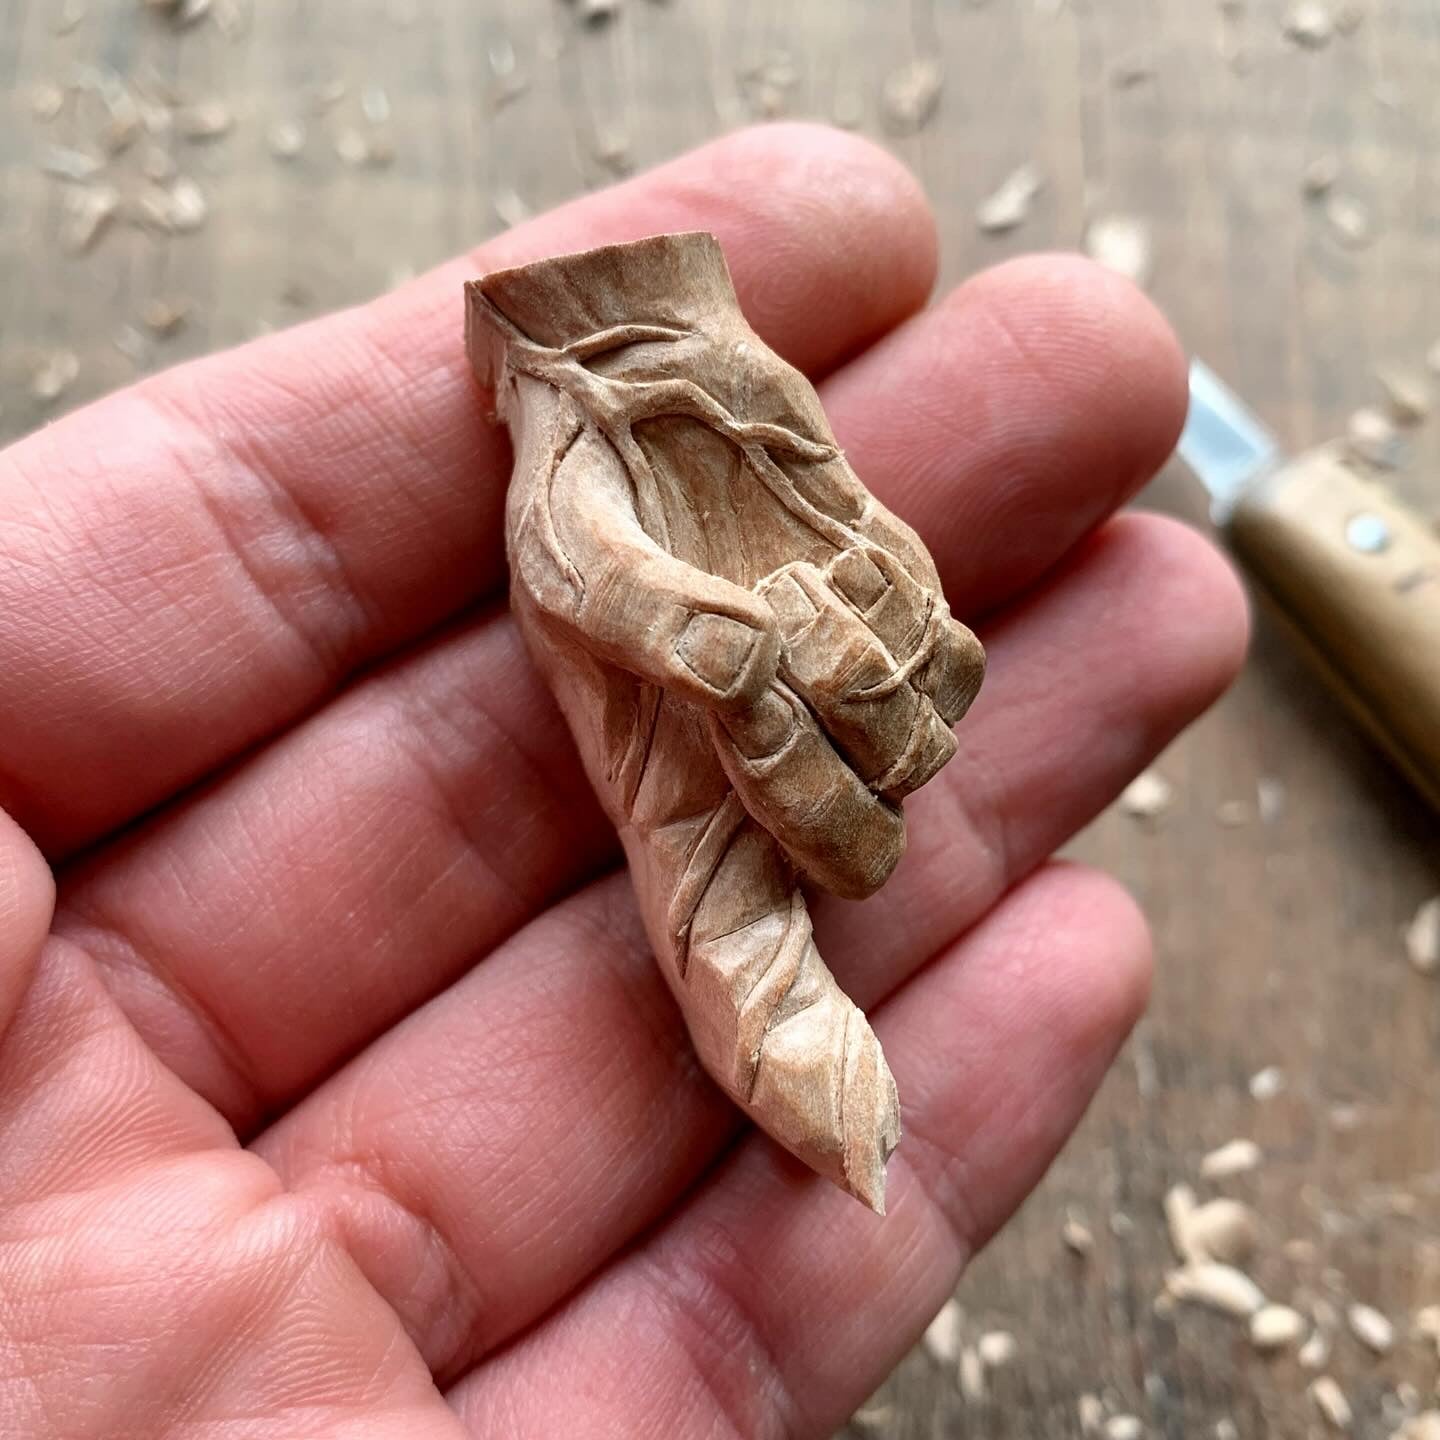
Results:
[1351, 572]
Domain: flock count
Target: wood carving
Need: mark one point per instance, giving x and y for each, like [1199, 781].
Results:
[754, 655]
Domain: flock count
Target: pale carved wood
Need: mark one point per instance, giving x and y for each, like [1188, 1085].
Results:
[755, 656]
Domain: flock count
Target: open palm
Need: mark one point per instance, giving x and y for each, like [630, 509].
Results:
[340, 1096]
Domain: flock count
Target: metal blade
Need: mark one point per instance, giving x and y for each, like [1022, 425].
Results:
[1223, 443]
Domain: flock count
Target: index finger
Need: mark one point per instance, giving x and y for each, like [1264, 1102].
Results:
[189, 565]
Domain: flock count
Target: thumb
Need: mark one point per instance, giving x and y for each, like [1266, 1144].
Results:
[27, 901]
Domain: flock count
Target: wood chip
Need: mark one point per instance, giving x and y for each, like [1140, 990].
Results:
[1315, 1351]
[88, 213]
[1121, 243]
[188, 207]
[208, 120]
[1091, 1412]
[972, 1375]
[1372, 1329]
[942, 1335]
[910, 96]
[54, 375]
[1078, 1238]
[1221, 1230]
[1219, 1287]
[1179, 1204]
[165, 317]
[1349, 219]
[1371, 438]
[1233, 1158]
[1148, 796]
[1274, 1327]
[47, 100]
[286, 139]
[1330, 1401]
[1309, 23]
[997, 1348]
[1319, 176]
[1425, 1426]
[1008, 205]
[1270, 799]
[1406, 394]
[1123, 1427]
[1266, 1084]
[76, 166]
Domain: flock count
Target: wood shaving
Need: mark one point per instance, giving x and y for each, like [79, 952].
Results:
[1425, 1426]
[88, 213]
[208, 120]
[54, 375]
[1319, 176]
[1008, 205]
[1091, 1412]
[286, 139]
[1179, 1204]
[165, 317]
[510, 206]
[910, 96]
[1406, 395]
[972, 1375]
[1236, 1157]
[1315, 1351]
[1309, 24]
[1372, 1329]
[188, 207]
[1270, 799]
[1330, 1401]
[1220, 1230]
[1274, 1327]
[1371, 438]
[76, 166]
[1349, 219]
[1148, 796]
[942, 1335]
[47, 100]
[997, 1348]
[1219, 1287]
[1123, 1427]
[1077, 1237]
[1266, 1084]
[1121, 243]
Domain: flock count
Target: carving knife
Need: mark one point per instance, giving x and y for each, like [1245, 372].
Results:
[1352, 574]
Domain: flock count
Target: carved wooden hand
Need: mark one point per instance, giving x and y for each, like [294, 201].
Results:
[754, 655]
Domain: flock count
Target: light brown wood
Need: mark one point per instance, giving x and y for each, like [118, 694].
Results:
[754, 655]
[1357, 576]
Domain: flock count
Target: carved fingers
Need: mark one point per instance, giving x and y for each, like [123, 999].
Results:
[580, 556]
[790, 778]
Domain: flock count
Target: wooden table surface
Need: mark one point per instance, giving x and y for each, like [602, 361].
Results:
[1279, 941]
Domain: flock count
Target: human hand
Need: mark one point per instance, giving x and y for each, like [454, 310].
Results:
[341, 1096]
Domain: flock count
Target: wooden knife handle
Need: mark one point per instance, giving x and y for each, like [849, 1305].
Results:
[1358, 578]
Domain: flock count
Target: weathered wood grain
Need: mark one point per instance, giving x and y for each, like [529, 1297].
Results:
[1278, 943]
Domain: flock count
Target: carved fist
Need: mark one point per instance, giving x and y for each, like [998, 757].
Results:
[754, 655]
